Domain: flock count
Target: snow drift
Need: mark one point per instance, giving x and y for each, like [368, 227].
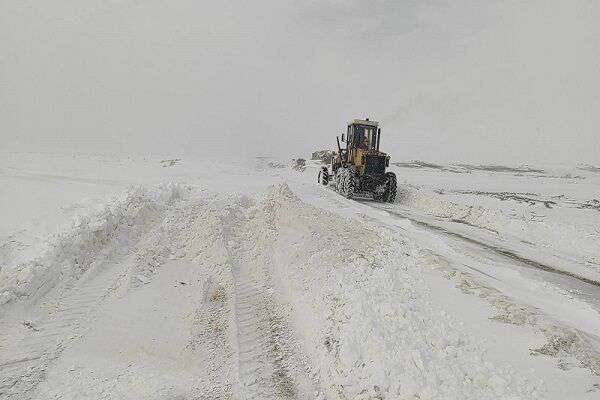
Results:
[92, 240]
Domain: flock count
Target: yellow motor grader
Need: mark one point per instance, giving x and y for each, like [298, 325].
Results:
[359, 168]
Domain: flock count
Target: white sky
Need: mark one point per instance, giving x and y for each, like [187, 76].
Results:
[466, 80]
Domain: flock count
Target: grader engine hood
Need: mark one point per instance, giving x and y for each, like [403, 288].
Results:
[375, 163]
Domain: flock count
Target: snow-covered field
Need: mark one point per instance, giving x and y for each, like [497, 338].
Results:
[144, 277]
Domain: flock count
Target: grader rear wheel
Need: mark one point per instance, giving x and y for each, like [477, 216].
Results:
[350, 186]
[344, 182]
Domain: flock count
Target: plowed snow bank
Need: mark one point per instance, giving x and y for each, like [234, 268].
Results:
[533, 224]
[91, 240]
[365, 316]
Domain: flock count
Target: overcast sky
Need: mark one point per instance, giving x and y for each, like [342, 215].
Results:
[450, 80]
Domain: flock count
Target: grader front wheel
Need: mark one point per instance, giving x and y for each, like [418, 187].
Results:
[323, 176]
[391, 187]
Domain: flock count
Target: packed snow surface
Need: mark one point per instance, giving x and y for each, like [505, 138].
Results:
[170, 278]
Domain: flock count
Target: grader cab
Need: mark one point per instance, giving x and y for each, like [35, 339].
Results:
[359, 168]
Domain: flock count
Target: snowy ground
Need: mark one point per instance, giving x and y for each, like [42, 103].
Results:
[159, 278]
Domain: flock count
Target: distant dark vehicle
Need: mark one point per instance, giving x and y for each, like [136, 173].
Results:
[360, 168]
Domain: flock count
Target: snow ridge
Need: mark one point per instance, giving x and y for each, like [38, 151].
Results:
[366, 316]
[92, 240]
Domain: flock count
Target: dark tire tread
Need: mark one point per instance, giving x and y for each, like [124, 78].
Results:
[324, 177]
[389, 196]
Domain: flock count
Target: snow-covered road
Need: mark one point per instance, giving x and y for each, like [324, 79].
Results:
[518, 273]
[249, 281]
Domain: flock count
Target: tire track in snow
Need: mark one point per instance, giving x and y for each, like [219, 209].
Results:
[259, 353]
[504, 252]
[267, 366]
[26, 356]
[574, 337]
[571, 336]
[64, 286]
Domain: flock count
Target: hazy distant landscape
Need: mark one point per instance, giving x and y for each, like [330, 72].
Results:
[179, 220]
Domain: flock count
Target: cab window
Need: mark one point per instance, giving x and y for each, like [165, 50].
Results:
[365, 137]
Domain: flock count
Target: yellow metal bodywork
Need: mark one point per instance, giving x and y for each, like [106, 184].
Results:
[357, 156]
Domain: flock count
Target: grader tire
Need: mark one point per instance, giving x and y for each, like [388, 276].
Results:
[350, 186]
[337, 180]
[391, 188]
[347, 183]
[324, 177]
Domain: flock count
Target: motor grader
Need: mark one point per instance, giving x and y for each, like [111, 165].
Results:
[359, 168]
